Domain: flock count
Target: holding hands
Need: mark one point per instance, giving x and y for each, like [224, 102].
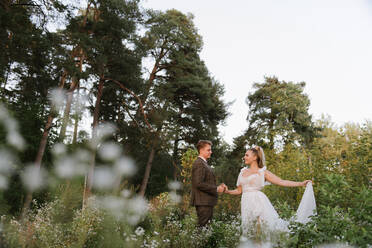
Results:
[222, 188]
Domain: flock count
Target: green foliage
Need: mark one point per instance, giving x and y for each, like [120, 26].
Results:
[187, 160]
[339, 163]
[334, 221]
[45, 229]
[172, 229]
[278, 114]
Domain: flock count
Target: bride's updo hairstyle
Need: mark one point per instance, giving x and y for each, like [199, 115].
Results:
[260, 156]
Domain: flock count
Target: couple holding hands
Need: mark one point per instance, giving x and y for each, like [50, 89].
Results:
[255, 206]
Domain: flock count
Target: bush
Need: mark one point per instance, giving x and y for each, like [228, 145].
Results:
[334, 222]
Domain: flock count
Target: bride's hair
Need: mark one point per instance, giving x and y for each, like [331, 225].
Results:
[260, 156]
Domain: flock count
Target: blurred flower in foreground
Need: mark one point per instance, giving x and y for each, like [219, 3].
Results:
[173, 196]
[338, 245]
[33, 177]
[104, 178]
[6, 162]
[57, 98]
[11, 127]
[174, 185]
[3, 182]
[59, 149]
[124, 166]
[102, 131]
[138, 208]
[68, 167]
[126, 193]
[130, 210]
[109, 151]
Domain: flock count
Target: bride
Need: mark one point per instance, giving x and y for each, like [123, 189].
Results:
[256, 209]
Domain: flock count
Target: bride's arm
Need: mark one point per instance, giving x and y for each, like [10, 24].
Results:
[236, 191]
[286, 183]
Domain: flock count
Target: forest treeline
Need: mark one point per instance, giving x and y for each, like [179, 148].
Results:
[96, 56]
[66, 69]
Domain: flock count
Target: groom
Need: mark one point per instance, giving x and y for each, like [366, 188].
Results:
[204, 191]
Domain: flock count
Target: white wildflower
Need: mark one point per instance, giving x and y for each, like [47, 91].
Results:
[33, 177]
[68, 167]
[16, 140]
[109, 151]
[138, 205]
[83, 156]
[6, 162]
[174, 197]
[154, 243]
[105, 130]
[57, 98]
[139, 231]
[174, 185]
[13, 137]
[103, 178]
[114, 205]
[126, 193]
[59, 149]
[3, 182]
[102, 131]
[125, 166]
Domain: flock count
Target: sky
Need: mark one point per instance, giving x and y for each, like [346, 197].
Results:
[327, 44]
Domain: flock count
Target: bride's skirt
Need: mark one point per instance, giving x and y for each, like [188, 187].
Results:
[257, 210]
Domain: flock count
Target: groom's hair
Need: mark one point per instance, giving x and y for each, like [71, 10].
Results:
[202, 143]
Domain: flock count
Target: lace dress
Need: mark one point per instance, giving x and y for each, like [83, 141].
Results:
[257, 208]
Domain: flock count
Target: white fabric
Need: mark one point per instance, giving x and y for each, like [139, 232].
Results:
[255, 206]
[307, 205]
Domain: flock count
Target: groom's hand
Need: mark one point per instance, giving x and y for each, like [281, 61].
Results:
[221, 188]
[226, 189]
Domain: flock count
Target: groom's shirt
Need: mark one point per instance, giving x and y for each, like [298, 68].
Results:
[203, 159]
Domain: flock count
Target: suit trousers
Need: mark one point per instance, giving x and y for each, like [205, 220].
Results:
[205, 214]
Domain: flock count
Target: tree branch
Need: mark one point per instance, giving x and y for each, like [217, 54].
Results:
[130, 115]
[137, 97]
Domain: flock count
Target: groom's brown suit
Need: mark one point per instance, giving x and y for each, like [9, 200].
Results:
[204, 190]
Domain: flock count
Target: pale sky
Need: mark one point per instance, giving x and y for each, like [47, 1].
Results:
[325, 43]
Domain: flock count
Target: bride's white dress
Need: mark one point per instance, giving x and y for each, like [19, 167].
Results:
[256, 207]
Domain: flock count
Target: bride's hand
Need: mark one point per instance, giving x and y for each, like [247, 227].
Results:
[304, 183]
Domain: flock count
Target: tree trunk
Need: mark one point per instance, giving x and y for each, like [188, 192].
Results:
[76, 119]
[43, 141]
[147, 171]
[271, 133]
[66, 114]
[175, 159]
[89, 176]
[76, 124]
[70, 93]
[151, 80]
[48, 125]
[41, 150]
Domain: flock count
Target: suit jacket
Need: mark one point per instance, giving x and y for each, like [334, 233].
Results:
[203, 184]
